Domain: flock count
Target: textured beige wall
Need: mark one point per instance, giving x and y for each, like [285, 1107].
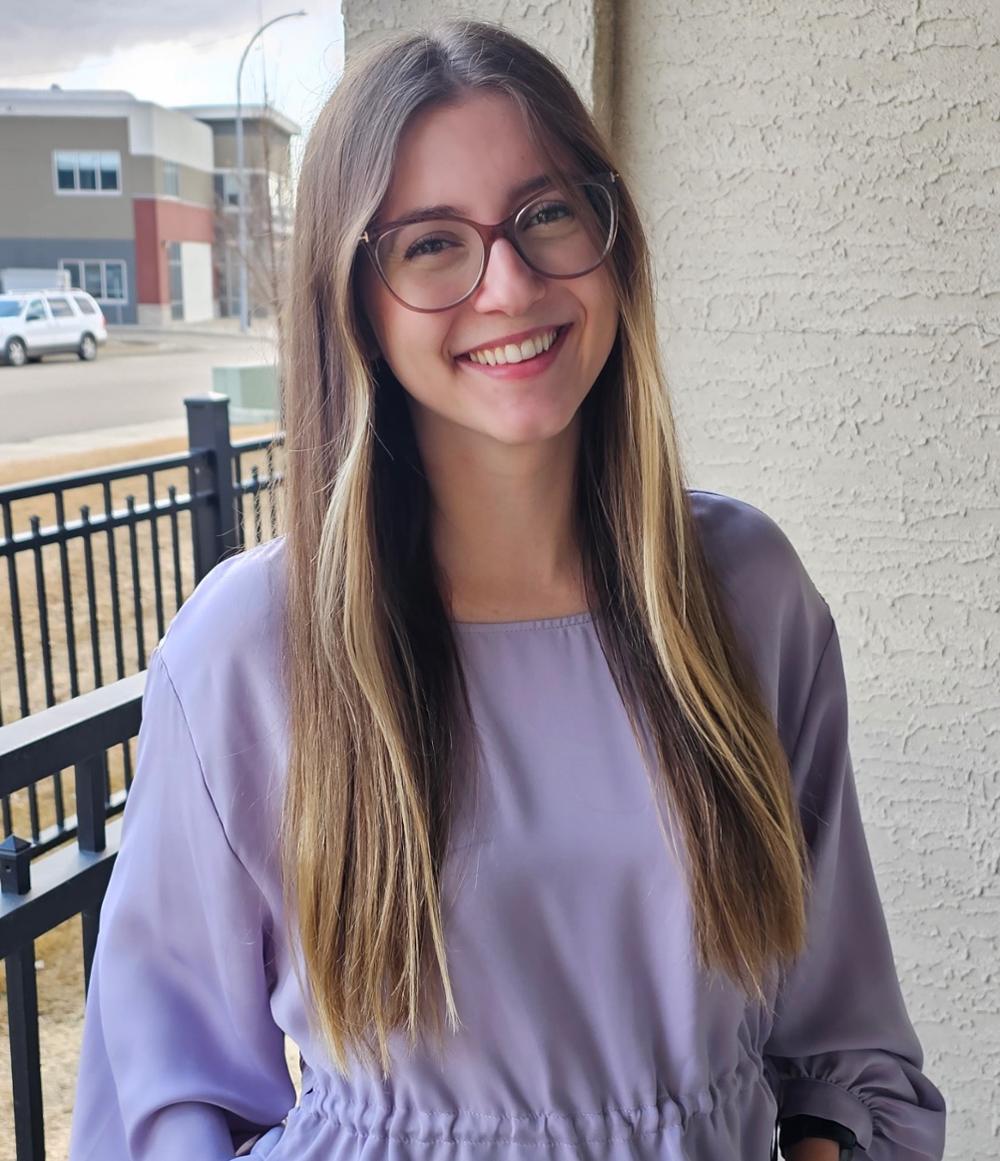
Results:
[577, 33]
[821, 188]
[822, 193]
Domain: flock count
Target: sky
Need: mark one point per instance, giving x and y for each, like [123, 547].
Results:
[183, 52]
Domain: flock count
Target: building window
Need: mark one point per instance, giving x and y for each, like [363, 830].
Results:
[104, 278]
[175, 280]
[171, 179]
[79, 172]
[227, 189]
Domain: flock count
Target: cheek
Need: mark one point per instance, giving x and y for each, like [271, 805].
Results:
[602, 307]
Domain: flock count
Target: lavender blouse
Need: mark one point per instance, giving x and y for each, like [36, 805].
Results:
[589, 1029]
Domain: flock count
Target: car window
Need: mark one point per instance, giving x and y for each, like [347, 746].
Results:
[60, 308]
[36, 310]
[11, 307]
[84, 304]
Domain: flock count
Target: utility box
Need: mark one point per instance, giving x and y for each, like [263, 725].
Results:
[252, 389]
[15, 279]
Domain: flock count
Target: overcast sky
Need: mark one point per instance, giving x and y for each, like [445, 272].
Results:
[182, 52]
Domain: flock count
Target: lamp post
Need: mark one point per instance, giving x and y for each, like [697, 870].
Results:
[240, 176]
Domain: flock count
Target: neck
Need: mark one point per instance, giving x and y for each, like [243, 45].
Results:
[502, 524]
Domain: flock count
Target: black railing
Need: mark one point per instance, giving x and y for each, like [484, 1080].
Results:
[97, 625]
[37, 897]
[86, 596]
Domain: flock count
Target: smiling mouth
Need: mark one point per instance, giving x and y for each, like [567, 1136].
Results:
[505, 354]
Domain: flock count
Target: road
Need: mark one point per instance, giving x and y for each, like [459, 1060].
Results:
[130, 384]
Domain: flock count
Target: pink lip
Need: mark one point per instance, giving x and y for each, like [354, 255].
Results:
[524, 370]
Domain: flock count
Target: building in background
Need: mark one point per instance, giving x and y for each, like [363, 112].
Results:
[267, 138]
[116, 191]
[137, 202]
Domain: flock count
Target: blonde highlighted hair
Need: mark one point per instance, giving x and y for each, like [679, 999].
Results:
[379, 722]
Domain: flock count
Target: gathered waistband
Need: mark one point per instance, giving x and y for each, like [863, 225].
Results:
[414, 1126]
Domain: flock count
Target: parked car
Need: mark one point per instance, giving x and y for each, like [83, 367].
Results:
[49, 322]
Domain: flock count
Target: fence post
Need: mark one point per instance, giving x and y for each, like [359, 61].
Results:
[90, 805]
[214, 516]
[15, 865]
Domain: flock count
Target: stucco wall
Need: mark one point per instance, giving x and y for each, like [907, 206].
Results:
[578, 33]
[822, 194]
[821, 188]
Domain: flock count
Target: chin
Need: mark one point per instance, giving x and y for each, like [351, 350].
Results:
[524, 430]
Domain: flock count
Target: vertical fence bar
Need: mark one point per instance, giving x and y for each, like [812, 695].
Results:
[215, 518]
[92, 614]
[90, 802]
[154, 541]
[15, 613]
[67, 594]
[25, 1053]
[175, 546]
[133, 548]
[41, 595]
[116, 611]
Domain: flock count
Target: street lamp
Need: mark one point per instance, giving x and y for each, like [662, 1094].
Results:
[241, 200]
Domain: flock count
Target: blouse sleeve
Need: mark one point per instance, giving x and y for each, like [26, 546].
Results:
[180, 1051]
[841, 1045]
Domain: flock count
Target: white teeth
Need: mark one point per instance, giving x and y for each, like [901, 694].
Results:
[515, 352]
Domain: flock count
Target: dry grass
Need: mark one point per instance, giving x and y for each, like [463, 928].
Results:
[58, 953]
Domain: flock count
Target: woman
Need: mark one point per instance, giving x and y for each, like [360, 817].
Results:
[512, 781]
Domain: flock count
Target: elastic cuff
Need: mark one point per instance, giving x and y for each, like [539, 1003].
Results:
[798, 1128]
[805, 1096]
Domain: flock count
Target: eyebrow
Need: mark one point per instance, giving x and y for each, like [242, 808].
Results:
[532, 185]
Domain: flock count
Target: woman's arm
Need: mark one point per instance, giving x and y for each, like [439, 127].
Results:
[181, 1055]
[814, 1149]
[842, 1047]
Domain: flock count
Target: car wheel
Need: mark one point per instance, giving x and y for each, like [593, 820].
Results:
[88, 348]
[15, 353]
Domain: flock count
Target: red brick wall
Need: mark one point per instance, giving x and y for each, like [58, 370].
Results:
[157, 222]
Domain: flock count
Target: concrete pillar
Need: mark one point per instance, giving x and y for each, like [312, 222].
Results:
[578, 34]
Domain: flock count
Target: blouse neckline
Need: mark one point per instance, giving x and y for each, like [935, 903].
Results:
[584, 618]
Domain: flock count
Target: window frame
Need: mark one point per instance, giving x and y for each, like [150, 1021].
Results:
[171, 177]
[77, 191]
[102, 299]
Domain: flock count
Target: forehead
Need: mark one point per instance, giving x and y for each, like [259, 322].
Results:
[469, 155]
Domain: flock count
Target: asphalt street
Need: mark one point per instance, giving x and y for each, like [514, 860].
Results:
[133, 388]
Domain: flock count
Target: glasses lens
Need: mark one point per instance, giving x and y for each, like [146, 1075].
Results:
[431, 264]
[568, 232]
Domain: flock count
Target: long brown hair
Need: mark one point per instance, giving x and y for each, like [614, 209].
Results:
[378, 712]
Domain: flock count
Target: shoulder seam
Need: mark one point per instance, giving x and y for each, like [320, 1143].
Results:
[194, 749]
[812, 688]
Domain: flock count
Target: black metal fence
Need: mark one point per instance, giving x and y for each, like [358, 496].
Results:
[95, 631]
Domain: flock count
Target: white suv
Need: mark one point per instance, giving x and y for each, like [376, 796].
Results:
[34, 323]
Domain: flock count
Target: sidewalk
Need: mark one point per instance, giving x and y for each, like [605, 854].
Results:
[215, 328]
[84, 441]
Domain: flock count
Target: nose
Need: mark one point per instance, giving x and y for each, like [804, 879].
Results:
[509, 285]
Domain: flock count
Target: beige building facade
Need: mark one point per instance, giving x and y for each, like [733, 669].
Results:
[115, 191]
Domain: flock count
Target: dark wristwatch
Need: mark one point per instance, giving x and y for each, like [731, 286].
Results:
[799, 1127]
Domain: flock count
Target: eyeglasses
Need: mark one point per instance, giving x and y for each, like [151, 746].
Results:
[433, 264]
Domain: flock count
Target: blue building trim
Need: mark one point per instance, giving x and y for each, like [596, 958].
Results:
[46, 253]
